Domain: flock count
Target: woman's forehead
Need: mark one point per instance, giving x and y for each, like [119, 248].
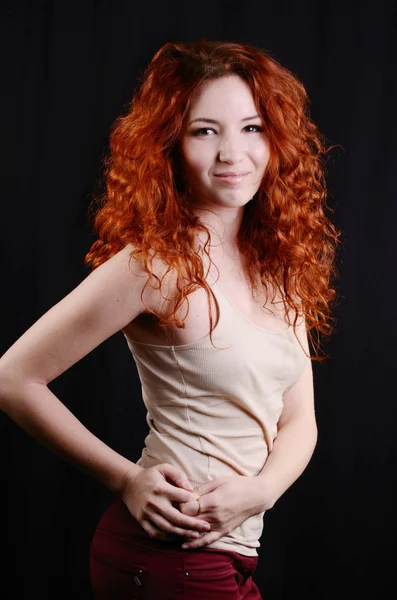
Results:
[216, 98]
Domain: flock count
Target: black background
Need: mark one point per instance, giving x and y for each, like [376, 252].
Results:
[68, 69]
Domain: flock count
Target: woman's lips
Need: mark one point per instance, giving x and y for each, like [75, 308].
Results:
[231, 179]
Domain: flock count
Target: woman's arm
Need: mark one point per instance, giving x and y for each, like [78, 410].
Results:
[38, 411]
[296, 437]
[100, 306]
[293, 447]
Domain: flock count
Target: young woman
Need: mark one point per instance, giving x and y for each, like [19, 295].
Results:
[214, 206]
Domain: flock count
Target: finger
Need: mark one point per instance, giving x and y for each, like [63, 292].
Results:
[178, 476]
[166, 526]
[178, 519]
[155, 533]
[149, 528]
[190, 508]
[175, 494]
[202, 541]
[208, 487]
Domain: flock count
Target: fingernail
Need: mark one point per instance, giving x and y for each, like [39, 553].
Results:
[188, 486]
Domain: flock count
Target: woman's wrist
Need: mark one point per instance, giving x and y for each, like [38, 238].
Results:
[121, 475]
[128, 477]
[261, 495]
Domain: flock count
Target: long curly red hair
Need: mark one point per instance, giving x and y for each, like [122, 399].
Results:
[285, 237]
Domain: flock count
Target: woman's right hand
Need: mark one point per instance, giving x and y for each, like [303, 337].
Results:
[151, 498]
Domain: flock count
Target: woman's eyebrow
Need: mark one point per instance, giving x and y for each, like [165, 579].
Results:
[217, 122]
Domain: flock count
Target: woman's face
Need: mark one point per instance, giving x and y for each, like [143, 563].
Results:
[223, 134]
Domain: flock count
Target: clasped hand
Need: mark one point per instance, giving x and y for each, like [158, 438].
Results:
[165, 504]
[226, 503]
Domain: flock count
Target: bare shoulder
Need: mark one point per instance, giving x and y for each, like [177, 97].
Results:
[101, 305]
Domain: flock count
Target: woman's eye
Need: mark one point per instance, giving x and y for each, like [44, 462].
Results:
[257, 127]
[204, 130]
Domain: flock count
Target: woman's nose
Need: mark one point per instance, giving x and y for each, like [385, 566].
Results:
[230, 150]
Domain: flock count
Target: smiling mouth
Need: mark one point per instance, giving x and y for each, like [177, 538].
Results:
[231, 178]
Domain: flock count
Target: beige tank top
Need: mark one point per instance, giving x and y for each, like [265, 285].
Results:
[214, 411]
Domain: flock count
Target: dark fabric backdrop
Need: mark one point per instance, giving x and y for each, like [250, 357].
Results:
[68, 69]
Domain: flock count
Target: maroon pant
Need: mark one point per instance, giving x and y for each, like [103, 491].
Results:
[126, 563]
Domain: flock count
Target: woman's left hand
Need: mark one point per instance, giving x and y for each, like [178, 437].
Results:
[226, 503]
